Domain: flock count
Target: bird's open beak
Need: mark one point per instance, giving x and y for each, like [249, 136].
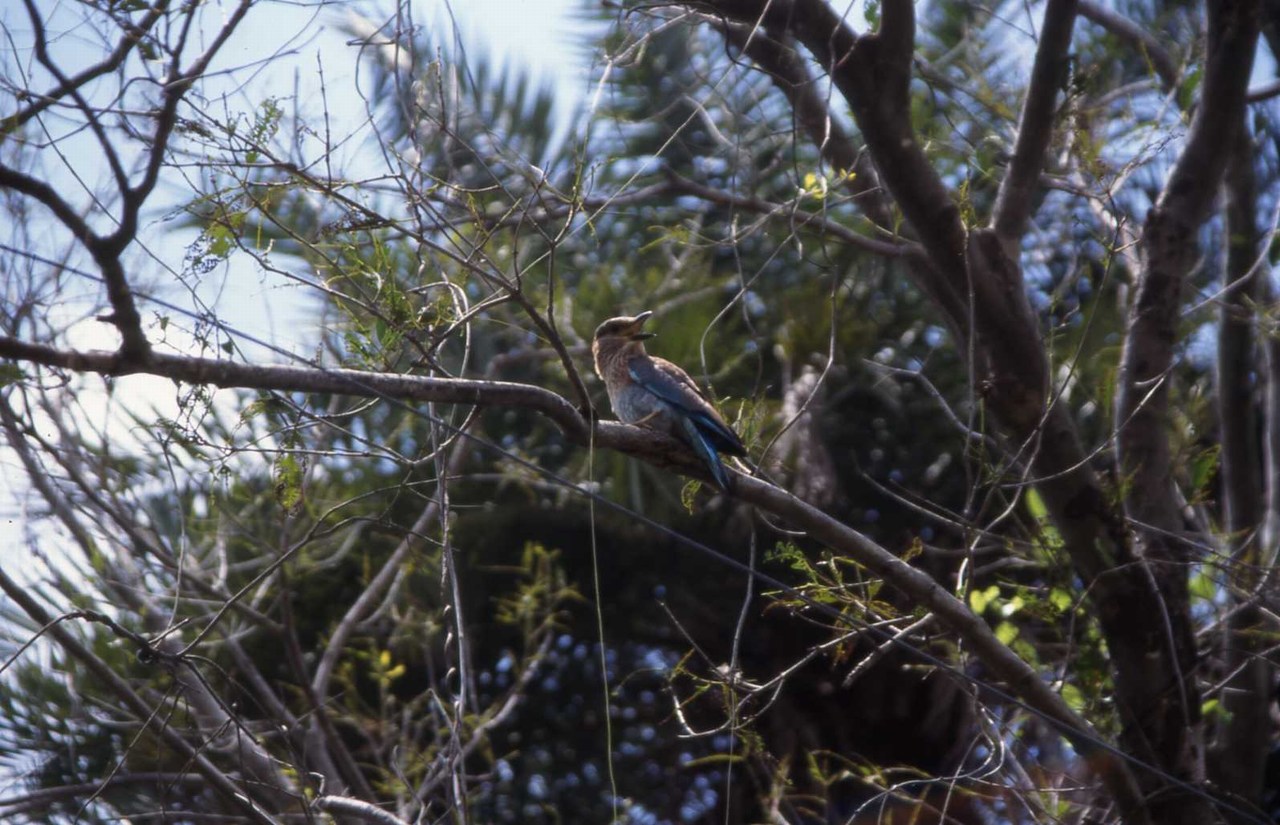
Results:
[639, 334]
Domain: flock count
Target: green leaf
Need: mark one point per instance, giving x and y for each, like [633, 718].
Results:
[1061, 599]
[220, 240]
[1012, 606]
[789, 554]
[288, 472]
[1203, 468]
[689, 493]
[1006, 632]
[1049, 538]
[1189, 87]
[1073, 697]
[979, 600]
[1035, 504]
[1212, 710]
[1203, 587]
[11, 374]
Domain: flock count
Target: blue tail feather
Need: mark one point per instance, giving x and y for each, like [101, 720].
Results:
[721, 437]
[701, 445]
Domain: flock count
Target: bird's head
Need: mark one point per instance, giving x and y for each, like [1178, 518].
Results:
[623, 330]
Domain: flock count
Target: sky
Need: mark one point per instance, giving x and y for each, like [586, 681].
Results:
[269, 58]
[545, 38]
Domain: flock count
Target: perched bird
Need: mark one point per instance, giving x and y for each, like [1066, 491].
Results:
[655, 393]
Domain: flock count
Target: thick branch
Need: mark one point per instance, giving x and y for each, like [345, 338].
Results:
[777, 56]
[1168, 706]
[920, 587]
[1021, 181]
[306, 379]
[873, 73]
[1244, 732]
[41, 799]
[1169, 247]
[45, 194]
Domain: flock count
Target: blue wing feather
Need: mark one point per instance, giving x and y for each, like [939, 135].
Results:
[673, 385]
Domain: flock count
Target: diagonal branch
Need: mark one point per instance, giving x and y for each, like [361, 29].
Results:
[873, 74]
[798, 218]
[777, 56]
[1021, 182]
[90, 116]
[1141, 39]
[48, 197]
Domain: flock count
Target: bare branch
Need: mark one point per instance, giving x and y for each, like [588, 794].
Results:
[364, 811]
[796, 217]
[91, 117]
[66, 85]
[1264, 92]
[1137, 36]
[1020, 183]
[44, 193]
[42, 798]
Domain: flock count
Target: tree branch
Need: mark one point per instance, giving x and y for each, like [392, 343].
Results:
[365, 811]
[91, 117]
[1138, 37]
[873, 73]
[1170, 248]
[920, 587]
[1244, 731]
[1021, 181]
[796, 217]
[133, 35]
[41, 799]
[773, 51]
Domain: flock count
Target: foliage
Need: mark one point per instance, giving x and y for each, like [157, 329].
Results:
[330, 589]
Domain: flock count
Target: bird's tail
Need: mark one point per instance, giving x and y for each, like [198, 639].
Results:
[706, 451]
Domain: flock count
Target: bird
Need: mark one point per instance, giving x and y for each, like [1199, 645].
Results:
[655, 393]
